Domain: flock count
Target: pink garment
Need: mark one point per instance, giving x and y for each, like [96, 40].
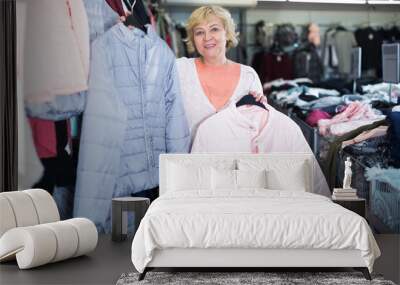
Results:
[44, 137]
[231, 130]
[56, 49]
[355, 111]
[316, 115]
[260, 117]
[244, 129]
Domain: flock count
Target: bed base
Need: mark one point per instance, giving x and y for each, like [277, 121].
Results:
[246, 259]
[364, 271]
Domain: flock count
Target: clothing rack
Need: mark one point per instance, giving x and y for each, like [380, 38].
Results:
[325, 27]
[358, 25]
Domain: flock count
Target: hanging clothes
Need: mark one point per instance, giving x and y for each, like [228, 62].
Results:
[277, 65]
[133, 113]
[307, 63]
[344, 41]
[172, 33]
[182, 34]
[135, 7]
[286, 38]
[390, 35]
[117, 6]
[252, 129]
[257, 63]
[101, 17]
[264, 34]
[60, 108]
[30, 168]
[53, 145]
[44, 137]
[329, 54]
[370, 42]
[56, 49]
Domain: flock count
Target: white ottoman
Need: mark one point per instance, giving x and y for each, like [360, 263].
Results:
[31, 231]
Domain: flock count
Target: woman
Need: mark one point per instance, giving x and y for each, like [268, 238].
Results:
[211, 82]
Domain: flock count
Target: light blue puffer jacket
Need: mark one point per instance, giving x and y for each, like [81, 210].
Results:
[133, 113]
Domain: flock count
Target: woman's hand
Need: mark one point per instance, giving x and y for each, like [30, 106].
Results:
[259, 97]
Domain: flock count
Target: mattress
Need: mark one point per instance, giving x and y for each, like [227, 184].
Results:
[250, 218]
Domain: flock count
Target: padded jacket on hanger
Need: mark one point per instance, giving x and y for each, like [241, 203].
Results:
[133, 113]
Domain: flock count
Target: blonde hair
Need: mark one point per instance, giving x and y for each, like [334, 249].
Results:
[201, 14]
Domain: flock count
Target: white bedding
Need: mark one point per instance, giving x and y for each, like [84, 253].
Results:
[251, 218]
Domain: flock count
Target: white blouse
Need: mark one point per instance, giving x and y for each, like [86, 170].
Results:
[196, 104]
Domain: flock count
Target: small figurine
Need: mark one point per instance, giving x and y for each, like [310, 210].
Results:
[347, 174]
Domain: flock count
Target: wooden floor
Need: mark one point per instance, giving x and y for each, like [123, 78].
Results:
[110, 260]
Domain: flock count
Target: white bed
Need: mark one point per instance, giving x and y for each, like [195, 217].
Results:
[201, 220]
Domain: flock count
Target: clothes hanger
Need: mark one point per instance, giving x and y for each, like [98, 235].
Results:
[133, 19]
[249, 100]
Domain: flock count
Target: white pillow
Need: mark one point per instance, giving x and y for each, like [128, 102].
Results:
[183, 177]
[281, 174]
[251, 178]
[235, 179]
[223, 179]
[292, 179]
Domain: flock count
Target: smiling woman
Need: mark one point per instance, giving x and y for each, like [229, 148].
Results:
[210, 39]
[211, 82]
[212, 19]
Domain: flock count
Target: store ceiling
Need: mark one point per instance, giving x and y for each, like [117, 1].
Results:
[252, 3]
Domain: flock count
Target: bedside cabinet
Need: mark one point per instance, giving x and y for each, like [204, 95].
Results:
[357, 205]
[120, 208]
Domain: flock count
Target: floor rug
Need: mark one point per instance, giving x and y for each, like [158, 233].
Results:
[244, 278]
